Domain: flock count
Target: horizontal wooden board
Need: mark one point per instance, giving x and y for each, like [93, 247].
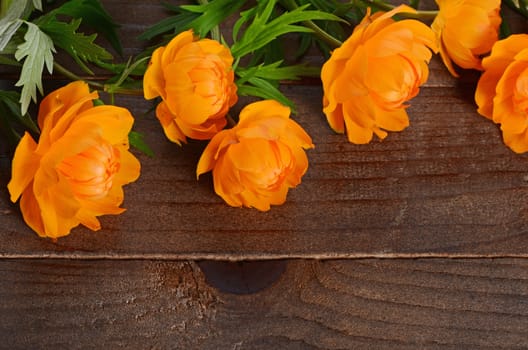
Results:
[365, 304]
[446, 186]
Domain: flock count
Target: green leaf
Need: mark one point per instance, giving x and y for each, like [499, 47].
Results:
[118, 68]
[11, 136]
[98, 102]
[211, 14]
[136, 140]
[504, 28]
[201, 18]
[37, 4]
[245, 16]
[263, 80]
[93, 15]
[36, 51]
[521, 6]
[272, 52]
[414, 3]
[128, 70]
[9, 61]
[19, 9]
[172, 24]
[274, 71]
[334, 29]
[11, 118]
[10, 21]
[79, 46]
[262, 88]
[262, 30]
[7, 31]
[10, 102]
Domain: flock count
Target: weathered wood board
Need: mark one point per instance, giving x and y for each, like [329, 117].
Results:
[445, 186]
[359, 304]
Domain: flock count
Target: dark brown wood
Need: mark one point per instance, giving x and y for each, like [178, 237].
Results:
[365, 304]
[446, 186]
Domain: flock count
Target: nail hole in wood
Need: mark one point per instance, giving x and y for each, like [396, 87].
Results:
[243, 277]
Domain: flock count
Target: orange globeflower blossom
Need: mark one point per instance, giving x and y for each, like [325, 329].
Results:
[257, 161]
[76, 171]
[502, 90]
[195, 80]
[368, 79]
[466, 30]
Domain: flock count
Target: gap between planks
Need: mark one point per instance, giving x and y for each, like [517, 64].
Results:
[258, 257]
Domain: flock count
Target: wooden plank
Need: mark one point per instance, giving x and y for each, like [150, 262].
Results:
[446, 186]
[367, 304]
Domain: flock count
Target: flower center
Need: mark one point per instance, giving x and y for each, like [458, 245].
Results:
[211, 80]
[277, 167]
[91, 172]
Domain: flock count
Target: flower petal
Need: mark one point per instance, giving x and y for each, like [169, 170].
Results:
[24, 166]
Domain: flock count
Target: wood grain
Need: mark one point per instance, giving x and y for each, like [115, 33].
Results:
[364, 304]
[446, 186]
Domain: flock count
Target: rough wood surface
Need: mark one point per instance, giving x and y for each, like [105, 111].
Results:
[445, 186]
[362, 304]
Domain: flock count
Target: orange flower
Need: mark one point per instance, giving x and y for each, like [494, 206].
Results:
[256, 162]
[466, 30]
[76, 171]
[502, 91]
[195, 80]
[368, 79]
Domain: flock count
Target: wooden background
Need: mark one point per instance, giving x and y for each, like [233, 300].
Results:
[416, 242]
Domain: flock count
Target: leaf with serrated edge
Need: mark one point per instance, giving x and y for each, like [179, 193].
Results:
[79, 46]
[36, 51]
[94, 15]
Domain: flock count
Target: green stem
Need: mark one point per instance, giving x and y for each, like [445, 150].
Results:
[72, 76]
[123, 91]
[382, 5]
[97, 86]
[323, 35]
[318, 31]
